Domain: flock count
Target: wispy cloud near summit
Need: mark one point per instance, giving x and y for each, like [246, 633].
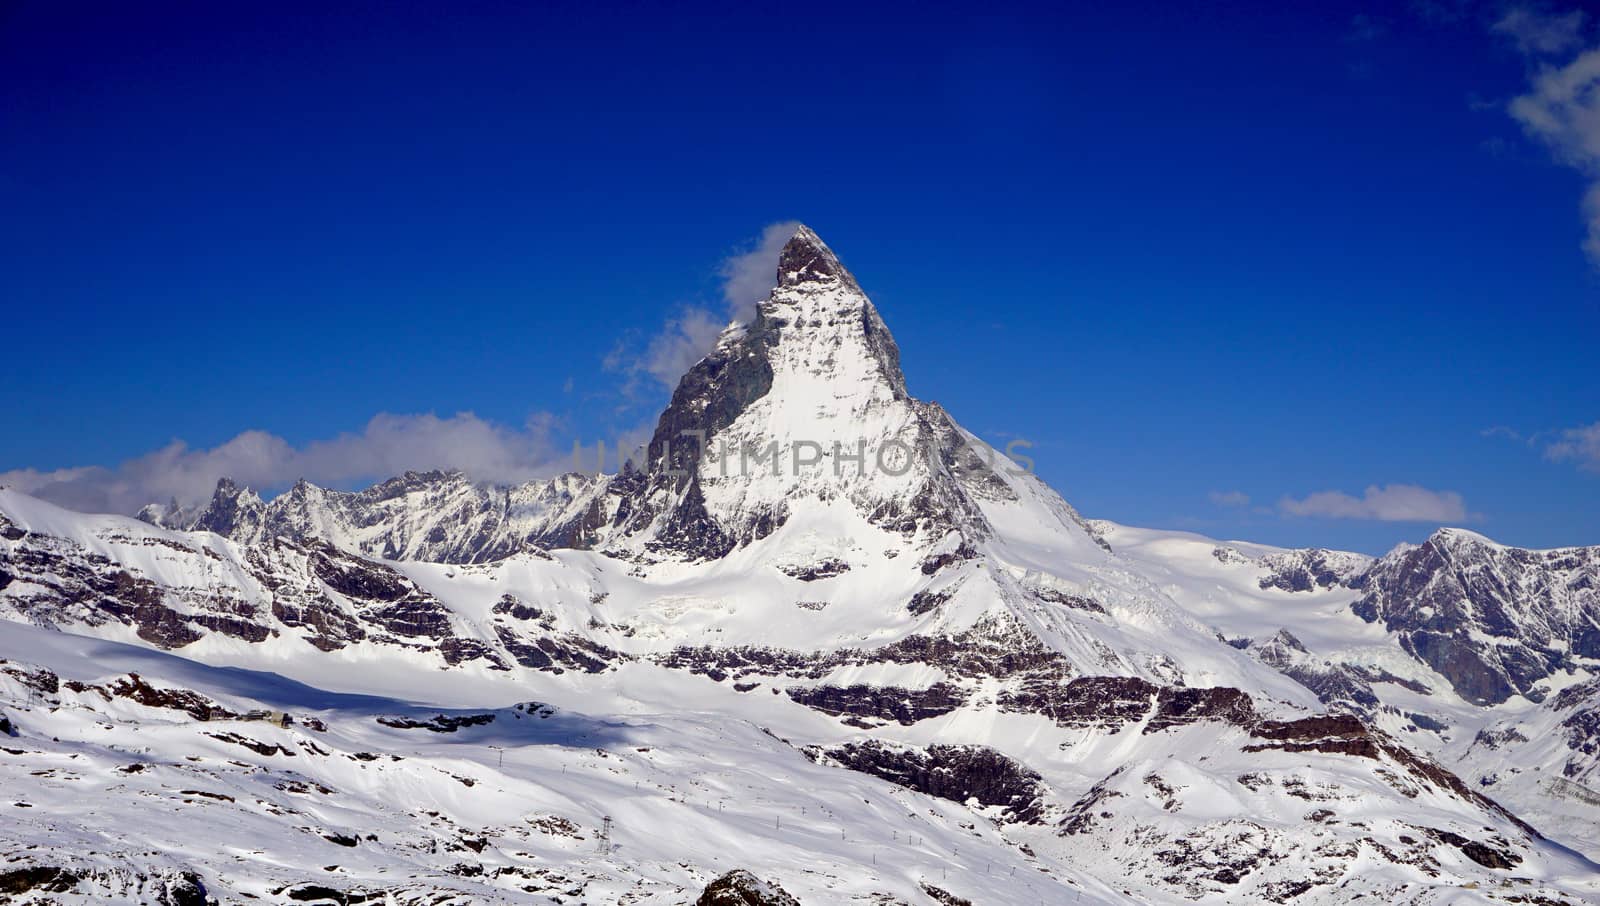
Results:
[746, 275]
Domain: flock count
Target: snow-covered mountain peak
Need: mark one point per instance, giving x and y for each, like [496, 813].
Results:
[804, 408]
[827, 325]
[1446, 536]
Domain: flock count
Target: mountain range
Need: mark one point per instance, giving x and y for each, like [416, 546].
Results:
[818, 644]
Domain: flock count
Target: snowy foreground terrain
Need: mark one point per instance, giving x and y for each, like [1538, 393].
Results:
[839, 652]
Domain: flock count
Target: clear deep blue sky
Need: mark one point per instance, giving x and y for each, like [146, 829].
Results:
[1272, 249]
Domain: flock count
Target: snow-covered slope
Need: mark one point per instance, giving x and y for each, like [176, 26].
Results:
[1368, 639]
[1011, 693]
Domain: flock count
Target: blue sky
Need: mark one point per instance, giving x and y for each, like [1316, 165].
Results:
[1193, 256]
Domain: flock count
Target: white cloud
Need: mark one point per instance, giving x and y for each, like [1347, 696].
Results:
[1537, 32]
[388, 445]
[1391, 503]
[682, 341]
[1229, 498]
[747, 276]
[1562, 107]
[1580, 445]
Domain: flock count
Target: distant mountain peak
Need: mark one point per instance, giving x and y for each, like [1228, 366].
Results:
[807, 259]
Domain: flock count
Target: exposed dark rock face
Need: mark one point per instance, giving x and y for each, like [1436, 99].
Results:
[741, 888]
[460, 651]
[1332, 683]
[1075, 602]
[1348, 734]
[1582, 733]
[926, 602]
[138, 602]
[937, 562]
[68, 584]
[944, 897]
[1580, 729]
[330, 628]
[254, 745]
[1573, 696]
[40, 878]
[957, 773]
[511, 606]
[992, 648]
[707, 399]
[558, 654]
[1113, 702]
[903, 706]
[1083, 814]
[192, 703]
[329, 597]
[1178, 706]
[1488, 856]
[38, 679]
[10, 531]
[1492, 620]
[720, 664]
[360, 580]
[1496, 738]
[185, 889]
[419, 616]
[439, 723]
[1313, 568]
[1108, 702]
[822, 569]
[380, 598]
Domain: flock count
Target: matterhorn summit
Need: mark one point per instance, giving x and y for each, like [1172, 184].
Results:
[804, 414]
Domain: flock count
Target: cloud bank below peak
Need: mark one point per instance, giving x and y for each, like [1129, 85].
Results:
[388, 445]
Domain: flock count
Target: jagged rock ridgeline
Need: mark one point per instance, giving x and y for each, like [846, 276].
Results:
[1494, 620]
[439, 516]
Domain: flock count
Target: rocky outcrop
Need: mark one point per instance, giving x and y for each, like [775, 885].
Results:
[741, 888]
[1114, 702]
[558, 653]
[439, 723]
[1333, 683]
[960, 773]
[1313, 568]
[992, 649]
[882, 703]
